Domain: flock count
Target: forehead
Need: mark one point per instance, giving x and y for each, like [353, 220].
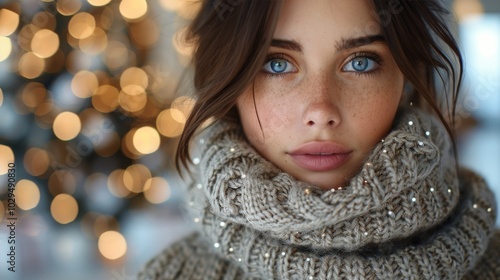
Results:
[333, 18]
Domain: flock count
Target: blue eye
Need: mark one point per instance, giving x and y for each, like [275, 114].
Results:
[278, 66]
[361, 64]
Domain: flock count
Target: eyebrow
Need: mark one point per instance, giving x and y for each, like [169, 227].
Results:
[344, 44]
[286, 44]
[350, 43]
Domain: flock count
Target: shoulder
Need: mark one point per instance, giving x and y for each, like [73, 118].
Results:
[189, 258]
[476, 191]
[488, 267]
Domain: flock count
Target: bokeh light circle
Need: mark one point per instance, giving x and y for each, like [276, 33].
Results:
[27, 194]
[64, 208]
[112, 245]
[67, 125]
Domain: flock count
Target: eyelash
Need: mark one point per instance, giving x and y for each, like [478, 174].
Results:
[370, 55]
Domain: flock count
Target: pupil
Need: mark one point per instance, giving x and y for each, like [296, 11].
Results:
[360, 64]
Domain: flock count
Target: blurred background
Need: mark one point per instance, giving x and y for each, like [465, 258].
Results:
[89, 116]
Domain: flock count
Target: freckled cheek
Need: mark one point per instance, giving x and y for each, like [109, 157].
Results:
[275, 109]
[275, 118]
[376, 112]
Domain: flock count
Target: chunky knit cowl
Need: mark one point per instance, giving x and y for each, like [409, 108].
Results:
[406, 215]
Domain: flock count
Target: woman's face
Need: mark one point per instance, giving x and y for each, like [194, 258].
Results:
[328, 92]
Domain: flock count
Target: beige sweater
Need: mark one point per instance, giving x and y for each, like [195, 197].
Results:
[406, 215]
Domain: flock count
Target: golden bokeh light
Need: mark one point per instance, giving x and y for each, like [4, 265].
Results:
[98, 3]
[68, 7]
[466, 8]
[116, 185]
[188, 9]
[134, 76]
[44, 117]
[104, 223]
[36, 161]
[77, 61]
[106, 18]
[135, 177]
[128, 148]
[167, 124]
[185, 9]
[27, 194]
[1, 97]
[5, 48]
[95, 43]
[73, 42]
[26, 35]
[30, 65]
[144, 33]
[132, 98]
[156, 190]
[112, 245]
[185, 105]
[33, 94]
[105, 98]
[133, 9]
[150, 110]
[45, 108]
[116, 54]
[180, 44]
[6, 159]
[45, 43]
[84, 83]
[81, 25]
[67, 126]
[146, 140]
[62, 181]
[178, 115]
[44, 20]
[64, 208]
[9, 21]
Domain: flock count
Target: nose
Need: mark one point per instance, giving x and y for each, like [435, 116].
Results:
[321, 107]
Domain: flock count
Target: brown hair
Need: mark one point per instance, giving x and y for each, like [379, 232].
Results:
[423, 47]
[232, 38]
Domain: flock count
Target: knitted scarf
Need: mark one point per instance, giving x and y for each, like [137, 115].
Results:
[406, 215]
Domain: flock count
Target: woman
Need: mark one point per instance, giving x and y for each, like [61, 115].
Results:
[325, 159]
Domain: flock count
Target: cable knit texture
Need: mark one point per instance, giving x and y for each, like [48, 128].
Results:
[406, 215]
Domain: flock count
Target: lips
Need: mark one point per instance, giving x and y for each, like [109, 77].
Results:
[320, 156]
